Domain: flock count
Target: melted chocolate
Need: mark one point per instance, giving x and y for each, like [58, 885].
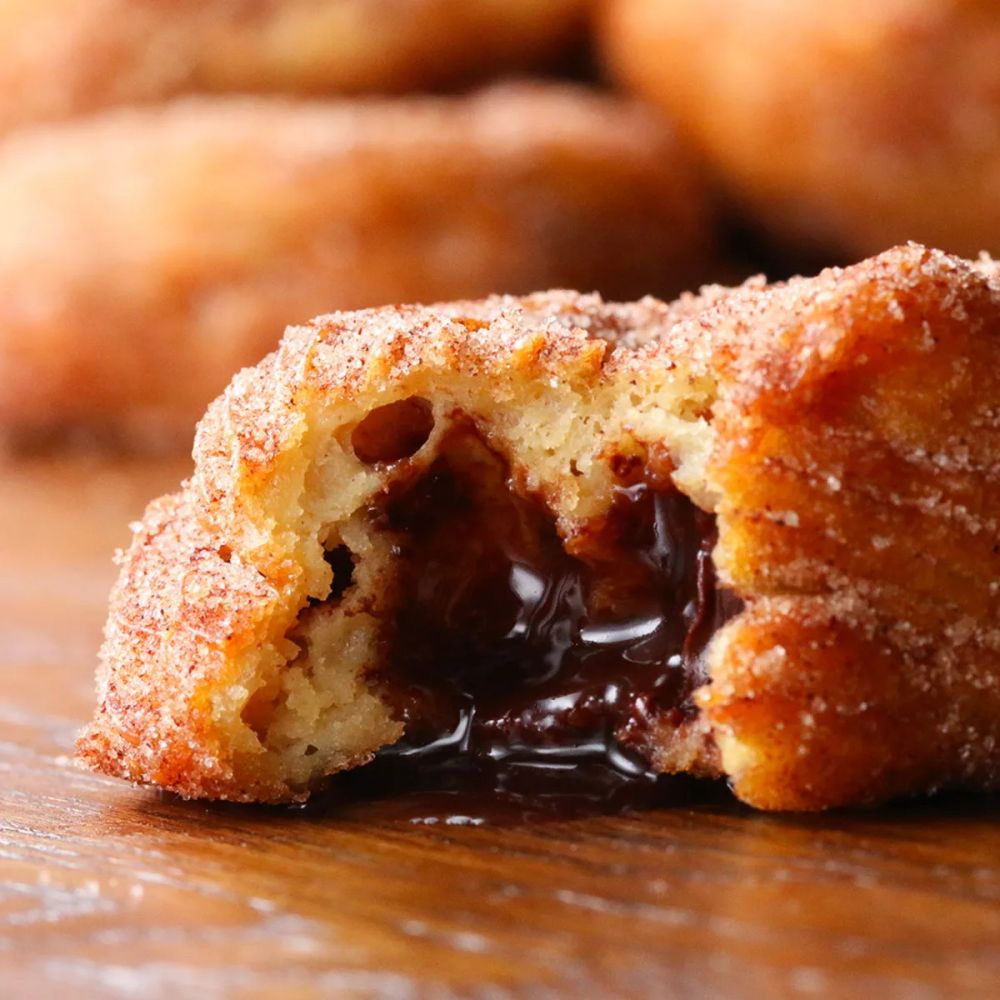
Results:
[530, 672]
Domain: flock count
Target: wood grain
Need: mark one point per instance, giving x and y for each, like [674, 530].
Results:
[111, 891]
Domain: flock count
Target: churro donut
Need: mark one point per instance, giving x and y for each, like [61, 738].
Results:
[147, 255]
[849, 125]
[62, 58]
[753, 534]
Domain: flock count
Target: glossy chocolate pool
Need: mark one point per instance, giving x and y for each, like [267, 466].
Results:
[531, 672]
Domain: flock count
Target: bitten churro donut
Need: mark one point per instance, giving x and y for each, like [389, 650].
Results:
[852, 124]
[62, 58]
[753, 533]
[147, 255]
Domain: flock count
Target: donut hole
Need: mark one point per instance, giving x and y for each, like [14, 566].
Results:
[341, 562]
[393, 432]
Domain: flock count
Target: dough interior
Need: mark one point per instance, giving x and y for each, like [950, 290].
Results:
[488, 647]
[458, 614]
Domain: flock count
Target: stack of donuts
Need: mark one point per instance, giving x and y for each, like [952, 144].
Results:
[180, 181]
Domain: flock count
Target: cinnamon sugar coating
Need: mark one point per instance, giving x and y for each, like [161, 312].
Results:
[64, 58]
[845, 429]
[140, 245]
[848, 125]
[858, 468]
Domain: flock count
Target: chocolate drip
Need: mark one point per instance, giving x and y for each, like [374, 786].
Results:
[529, 671]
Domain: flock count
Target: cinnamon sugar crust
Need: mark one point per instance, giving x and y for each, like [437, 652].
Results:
[844, 430]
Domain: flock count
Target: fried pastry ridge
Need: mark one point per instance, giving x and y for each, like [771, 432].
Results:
[858, 469]
[842, 430]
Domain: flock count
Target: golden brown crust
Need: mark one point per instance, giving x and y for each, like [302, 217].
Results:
[858, 465]
[151, 724]
[853, 426]
[222, 220]
[853, 125]
[62, 58]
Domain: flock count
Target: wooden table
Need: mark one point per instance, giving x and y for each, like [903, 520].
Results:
[106, 890]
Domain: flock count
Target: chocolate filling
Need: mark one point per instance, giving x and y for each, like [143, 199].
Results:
[531, 666]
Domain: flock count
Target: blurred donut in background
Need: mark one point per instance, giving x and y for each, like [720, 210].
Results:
[845, 126]
[61, 58]
[147, 254]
